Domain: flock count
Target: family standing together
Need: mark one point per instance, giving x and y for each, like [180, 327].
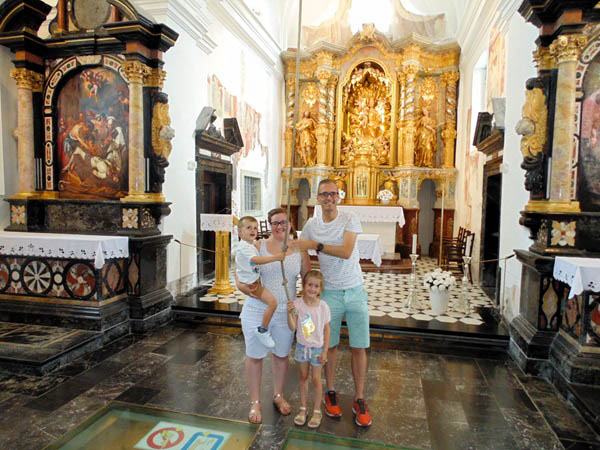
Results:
[329, 295]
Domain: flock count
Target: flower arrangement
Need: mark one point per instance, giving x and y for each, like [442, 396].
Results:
[439, 280]
[385, 195]
[341, 194]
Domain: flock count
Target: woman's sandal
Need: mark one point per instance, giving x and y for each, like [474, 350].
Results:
[300, 418]
[315, 420]
[280, 404]
[254, 416]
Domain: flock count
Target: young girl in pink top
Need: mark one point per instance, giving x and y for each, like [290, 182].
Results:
[310, 318]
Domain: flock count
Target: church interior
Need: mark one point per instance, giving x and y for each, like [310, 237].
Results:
[462, 134]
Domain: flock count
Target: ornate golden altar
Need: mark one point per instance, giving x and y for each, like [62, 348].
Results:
[375, 115]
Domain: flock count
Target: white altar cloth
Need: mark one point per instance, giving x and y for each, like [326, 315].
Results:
[582, 274]
[55, 245]
[216, 222]
[373, 213]
[369, 247]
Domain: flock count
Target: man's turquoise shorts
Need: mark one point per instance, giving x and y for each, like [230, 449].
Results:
[353, 304]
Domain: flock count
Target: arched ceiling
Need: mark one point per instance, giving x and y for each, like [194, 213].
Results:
[335, 20]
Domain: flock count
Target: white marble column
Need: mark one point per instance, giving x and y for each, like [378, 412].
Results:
[27, 81]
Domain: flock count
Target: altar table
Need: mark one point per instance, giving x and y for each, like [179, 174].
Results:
[582, 274]
[380, 220]
[369, 247]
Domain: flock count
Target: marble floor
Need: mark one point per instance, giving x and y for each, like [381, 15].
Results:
[418, 400]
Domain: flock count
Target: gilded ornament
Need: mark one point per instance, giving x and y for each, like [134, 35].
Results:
[155, 78]
[309, 95]
[567, 47]
[449, 78]
[427, 89]
[533, 124]
[162, 133]
[368, 32]
[543, 59]
[135, 71]
[27, 79]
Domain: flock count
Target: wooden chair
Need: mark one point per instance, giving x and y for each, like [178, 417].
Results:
[263, 230]
[453, 252]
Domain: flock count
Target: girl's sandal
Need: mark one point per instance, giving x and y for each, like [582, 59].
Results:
[281, 405]
[300, 418]
[254, 415]
[315, 420]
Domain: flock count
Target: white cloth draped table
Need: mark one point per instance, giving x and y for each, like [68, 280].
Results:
[216, 222]
[56, 245]
[582, 274]
[376, 214]
[369, 247]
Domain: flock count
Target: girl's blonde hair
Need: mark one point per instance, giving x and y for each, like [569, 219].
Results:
[313, 274]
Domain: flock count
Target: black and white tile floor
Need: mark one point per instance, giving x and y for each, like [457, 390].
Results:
[388, 295]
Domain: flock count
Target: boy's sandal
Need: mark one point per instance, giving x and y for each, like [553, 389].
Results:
[254, 416]
[315, 420]
[282, 405]
[300, 418]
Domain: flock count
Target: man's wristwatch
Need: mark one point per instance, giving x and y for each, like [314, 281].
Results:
[319, 247]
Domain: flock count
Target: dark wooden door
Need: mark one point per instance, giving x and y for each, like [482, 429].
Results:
[213, 202]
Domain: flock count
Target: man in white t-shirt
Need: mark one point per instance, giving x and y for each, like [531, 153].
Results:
[333, 236]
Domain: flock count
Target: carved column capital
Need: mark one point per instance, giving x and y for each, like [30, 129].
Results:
[135, 71]
[410, 70]
[155, 78]
[27, 79]
[402, 78]
[449, 78]
[323, 76]
[568, 47]
[543, 59]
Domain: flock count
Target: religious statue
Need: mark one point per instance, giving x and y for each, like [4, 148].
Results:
[390, 185]
[426, 140]
[306, 142]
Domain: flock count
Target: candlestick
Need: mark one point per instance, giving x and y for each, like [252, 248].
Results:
[468, 244]
[463, 300]
[414, 245]
[413, 301]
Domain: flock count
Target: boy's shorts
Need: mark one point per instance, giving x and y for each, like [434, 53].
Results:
[308, 354]
[351, 303]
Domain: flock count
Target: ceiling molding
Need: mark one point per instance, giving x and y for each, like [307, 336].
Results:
[243, 23]
[188, 15]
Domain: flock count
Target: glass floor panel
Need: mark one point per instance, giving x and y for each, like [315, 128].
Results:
[121, 425]
[297, 440]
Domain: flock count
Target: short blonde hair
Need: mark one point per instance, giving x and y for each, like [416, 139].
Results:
[245, 219]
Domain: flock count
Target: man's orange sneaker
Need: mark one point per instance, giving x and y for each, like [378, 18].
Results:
[363, 417]
[332, 409]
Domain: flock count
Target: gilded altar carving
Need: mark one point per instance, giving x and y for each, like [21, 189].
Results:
[367, 115]
[306, 141]
[162, 133]
[543, 59]
[135, 71]
[27, 79]
[375, 112]
[567, 48]
[532, 126]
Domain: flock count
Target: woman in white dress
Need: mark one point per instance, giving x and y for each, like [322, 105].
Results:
[296, 264]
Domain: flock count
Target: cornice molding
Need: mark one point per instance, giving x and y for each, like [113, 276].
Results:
[243, 23]
[188, 15]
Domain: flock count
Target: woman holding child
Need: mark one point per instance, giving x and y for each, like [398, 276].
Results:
[295, 264]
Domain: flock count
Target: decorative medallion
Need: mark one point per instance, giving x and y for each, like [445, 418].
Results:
[148, 220]
[563, 233]
[130, 218]
[549, 306]
[542, 235]
[4, 276]
[17, 215]
[80, 280]
[90, 14]
[37, 277]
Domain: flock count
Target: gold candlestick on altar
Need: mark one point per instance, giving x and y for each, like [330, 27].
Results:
[222, 225]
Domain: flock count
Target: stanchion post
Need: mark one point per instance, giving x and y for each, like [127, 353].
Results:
[413, 301]
[464, 304]
[222, 285]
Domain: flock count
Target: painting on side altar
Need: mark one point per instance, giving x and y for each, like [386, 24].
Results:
[588, 191]
[92, 132]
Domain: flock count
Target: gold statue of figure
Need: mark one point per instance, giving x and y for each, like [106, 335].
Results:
[306, 142]
[390, 184]
[426, 140]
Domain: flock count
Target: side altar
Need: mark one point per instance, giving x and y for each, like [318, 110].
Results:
[374, 115]
[93, 143]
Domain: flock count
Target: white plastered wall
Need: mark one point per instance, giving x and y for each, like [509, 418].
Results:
[520, 43]
[8, 144]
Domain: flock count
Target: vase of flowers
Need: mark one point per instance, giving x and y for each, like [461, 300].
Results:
[439, 284]
[384, 196]
[341, 196]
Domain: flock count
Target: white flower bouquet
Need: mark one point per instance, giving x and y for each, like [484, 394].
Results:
[341, 194]
[385, 195]
[438, 280]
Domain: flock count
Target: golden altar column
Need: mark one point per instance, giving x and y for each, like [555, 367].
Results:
[400, 124]
[322, 128]
[28, 81]
[222, 285]
[289, 119]
[449, 80]
[566, 50]
[410, 124]
[135, 72]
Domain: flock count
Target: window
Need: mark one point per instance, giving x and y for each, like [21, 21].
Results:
[252, 194]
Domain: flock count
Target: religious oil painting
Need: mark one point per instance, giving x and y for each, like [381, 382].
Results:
[92, 132]
[589, 148]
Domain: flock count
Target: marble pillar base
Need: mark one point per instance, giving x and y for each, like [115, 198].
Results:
[530, 347]
[573, 362]
[150, 311]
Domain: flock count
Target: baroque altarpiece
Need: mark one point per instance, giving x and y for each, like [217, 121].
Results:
[93, 141]
[374, 115]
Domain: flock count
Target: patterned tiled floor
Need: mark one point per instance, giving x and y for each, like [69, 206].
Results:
[388, 294]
